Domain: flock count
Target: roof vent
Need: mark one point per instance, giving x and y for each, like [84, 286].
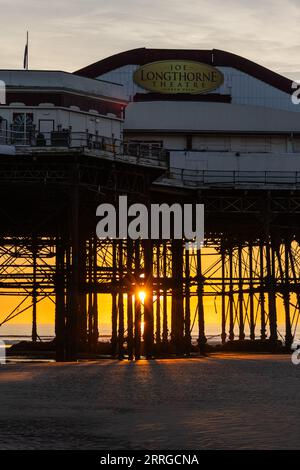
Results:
[46, 105]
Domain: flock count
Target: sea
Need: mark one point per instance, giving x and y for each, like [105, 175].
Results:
[14, 333]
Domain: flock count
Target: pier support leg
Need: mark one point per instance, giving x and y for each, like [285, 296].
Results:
[114, 310]
[288, 328]
[73, 303]
[223, 298]
[263, 334]
[187, 317]
[121, 304]
[90, 294]
[231, 297]
[129, 299]
[137, 303]
[177, 326]
[165, 300]
[82, 320]
[241, 295]
[34, 334]
[148, 302]
[271, 291]
[200, 290]
[95, 326]
[158, 309]
[251, 293]
[60, 310]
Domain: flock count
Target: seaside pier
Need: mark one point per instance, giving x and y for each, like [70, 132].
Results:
[69, 142]
[249, 265]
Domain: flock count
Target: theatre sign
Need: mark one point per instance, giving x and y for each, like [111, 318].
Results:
[178, 76]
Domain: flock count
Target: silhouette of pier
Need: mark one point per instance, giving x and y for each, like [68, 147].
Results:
[250, 262]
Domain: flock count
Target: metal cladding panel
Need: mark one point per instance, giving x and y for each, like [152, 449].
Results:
[162, 116]
[214, 161]
[243, 88]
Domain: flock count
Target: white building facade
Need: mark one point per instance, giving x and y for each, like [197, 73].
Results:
[53, 108]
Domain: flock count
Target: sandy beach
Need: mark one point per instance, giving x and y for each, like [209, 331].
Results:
[219, 402]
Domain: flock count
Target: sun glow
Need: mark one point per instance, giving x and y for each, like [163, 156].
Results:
[142, 295]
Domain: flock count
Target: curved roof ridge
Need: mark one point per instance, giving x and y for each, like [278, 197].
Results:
[216, 57]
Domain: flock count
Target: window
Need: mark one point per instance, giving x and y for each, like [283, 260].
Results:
[142, 148]
[22, 128]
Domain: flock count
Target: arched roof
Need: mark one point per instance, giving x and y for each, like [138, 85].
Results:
[213, 57]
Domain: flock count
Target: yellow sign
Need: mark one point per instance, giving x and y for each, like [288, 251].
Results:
[178, 76]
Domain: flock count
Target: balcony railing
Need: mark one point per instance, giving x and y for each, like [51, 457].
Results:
[200, 178]
[65, 138]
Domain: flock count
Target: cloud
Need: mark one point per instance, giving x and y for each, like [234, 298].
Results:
[71, 34]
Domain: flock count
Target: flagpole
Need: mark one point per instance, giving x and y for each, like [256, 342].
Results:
[25, 60]
[27, 51]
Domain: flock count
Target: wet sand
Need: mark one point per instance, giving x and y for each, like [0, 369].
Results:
[220, 402]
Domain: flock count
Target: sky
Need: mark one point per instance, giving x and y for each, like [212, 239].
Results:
[70, 34]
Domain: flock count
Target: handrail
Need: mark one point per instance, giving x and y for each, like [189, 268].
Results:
[233, 177]
[86, 140]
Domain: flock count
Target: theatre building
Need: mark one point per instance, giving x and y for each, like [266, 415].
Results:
[213, 110]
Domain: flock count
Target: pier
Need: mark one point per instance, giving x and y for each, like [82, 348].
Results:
[158, 289]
